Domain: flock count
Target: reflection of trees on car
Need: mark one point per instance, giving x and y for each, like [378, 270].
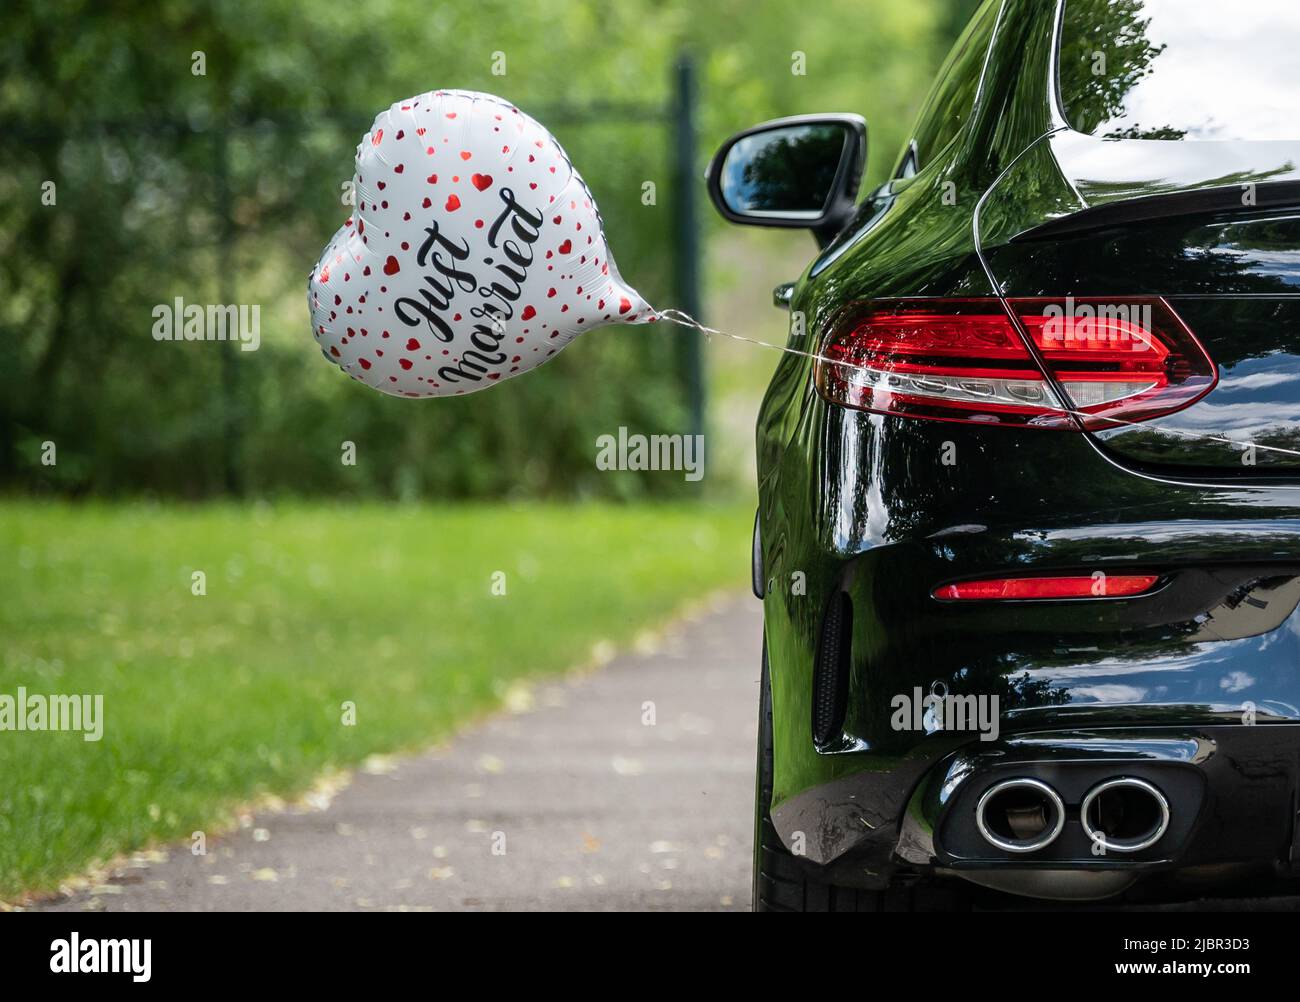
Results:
[794, 172]
[1100, 66]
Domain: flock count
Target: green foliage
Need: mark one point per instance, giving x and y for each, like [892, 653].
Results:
[223, 187]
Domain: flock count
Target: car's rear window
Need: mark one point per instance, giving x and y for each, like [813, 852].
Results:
[1181, 69]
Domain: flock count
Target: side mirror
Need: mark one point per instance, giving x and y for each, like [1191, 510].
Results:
[795, 172]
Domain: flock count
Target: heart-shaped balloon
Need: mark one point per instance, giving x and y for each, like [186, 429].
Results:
[475, 252]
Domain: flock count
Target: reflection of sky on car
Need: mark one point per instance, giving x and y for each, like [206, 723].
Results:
[1282, 263]
[1172, 679]
[1225, 73]
[1266, 418]
[1184, 677]
[1254, 418]
[738, 191]
[1174, 531]
[1110, 667]
[1257, 381]
[1263, 416]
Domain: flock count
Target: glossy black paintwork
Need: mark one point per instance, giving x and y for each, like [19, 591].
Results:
[875, 506]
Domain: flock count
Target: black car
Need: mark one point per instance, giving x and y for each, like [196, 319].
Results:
[1028, 540]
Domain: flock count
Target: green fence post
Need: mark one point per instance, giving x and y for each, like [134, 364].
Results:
[231, 418]
[686, 260]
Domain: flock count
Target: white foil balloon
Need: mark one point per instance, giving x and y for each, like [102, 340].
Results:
[475, 252]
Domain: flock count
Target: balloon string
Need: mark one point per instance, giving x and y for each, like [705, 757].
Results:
[686, 320]
[683, 319]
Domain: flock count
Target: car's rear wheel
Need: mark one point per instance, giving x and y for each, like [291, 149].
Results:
[782, 881]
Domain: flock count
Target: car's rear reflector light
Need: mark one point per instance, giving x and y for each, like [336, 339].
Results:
[1113, 362]
[1072, 586]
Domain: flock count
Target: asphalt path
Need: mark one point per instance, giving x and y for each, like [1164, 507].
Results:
[624, 788]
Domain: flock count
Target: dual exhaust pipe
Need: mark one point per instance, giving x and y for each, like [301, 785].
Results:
[1023, 815]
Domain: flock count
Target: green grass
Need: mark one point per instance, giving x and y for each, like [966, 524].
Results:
[212, 701]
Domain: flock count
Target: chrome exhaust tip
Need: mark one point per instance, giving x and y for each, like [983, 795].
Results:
[1124, 814]
[1020, 815]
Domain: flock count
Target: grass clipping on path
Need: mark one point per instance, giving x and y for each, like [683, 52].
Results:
[213, 700]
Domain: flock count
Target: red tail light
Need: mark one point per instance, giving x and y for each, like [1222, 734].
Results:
[1074, 586]
[1114, 361]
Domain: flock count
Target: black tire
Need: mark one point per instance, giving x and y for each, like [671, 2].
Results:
[785, 883]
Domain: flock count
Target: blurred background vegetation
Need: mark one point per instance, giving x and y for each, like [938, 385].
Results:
[223, 187]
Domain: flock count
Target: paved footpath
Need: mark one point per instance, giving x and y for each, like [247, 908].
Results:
[593, 808]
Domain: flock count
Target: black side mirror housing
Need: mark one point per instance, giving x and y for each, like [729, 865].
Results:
[800, 172]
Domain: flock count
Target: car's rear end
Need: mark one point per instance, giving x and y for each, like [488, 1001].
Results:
[1062, 647]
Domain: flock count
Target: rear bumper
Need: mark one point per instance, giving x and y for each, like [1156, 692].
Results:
[1231, 791]
[1210, 657]
[1217, 641]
